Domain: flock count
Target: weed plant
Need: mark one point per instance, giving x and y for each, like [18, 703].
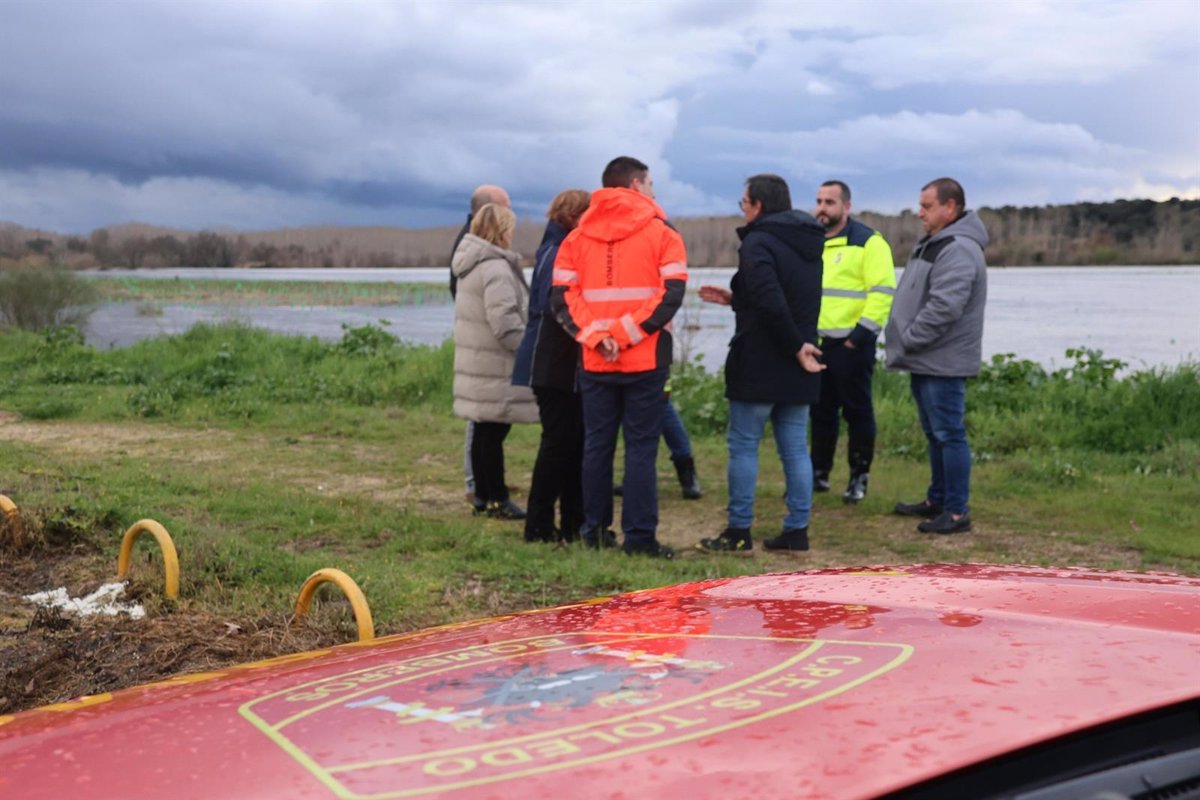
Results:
[227, 371]
[37, 298]
[235, 372]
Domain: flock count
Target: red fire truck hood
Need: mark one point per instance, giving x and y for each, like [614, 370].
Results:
[830, 684]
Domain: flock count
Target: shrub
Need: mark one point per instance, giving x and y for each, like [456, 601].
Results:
[47, 297]
[366, 340]
[700, 398]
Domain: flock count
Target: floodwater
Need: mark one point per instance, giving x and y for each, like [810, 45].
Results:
[1144, 316]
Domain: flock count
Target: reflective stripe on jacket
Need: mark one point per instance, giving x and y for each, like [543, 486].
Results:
[858, 285]
[621, 273]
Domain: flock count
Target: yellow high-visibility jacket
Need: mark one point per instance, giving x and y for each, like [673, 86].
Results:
[858, 284]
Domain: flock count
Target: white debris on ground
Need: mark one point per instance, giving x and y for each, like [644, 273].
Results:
[105, 600]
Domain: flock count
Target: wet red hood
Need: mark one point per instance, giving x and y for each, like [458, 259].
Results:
[838, 684]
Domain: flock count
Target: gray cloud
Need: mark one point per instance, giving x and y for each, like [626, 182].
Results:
[281, 113]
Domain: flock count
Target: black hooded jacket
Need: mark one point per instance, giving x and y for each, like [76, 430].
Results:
[776, 302]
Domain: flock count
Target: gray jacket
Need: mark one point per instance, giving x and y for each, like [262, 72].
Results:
[936, 327]
[491, 308]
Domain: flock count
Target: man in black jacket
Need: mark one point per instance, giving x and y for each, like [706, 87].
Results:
[772, 371]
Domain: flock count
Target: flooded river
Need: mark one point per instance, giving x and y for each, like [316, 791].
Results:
[1145, 316]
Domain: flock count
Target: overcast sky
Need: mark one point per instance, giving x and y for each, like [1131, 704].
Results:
[269, 113]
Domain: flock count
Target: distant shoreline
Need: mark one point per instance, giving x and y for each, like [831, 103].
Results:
[1118, 233]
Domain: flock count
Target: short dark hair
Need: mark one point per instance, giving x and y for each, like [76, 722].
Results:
[771, 191]
[845, 189]
[622, 171]
[948, 189]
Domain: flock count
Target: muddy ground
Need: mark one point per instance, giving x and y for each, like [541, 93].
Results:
[47, 656]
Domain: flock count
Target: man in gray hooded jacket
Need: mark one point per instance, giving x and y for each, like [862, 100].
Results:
[936, 334]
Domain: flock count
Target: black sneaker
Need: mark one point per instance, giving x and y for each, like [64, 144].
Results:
[856, 490]
[794, 539]
[821, 481]
[921, 509]
[604, 540]
[731, 540]
[505, 510]
[648, 548]
[946, 523]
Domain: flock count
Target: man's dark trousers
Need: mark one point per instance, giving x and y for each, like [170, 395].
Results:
[636, 403]
[845, 388]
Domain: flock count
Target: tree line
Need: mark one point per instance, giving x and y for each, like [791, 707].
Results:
[1117, 232]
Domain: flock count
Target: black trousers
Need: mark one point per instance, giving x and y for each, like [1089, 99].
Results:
[845, 392]
[487, 461]
[557, 471]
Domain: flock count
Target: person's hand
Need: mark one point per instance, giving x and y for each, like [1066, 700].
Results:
[807, 355]
[609, 348]
[716, 294]
[850, 345]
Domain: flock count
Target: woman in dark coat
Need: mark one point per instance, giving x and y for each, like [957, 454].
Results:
[548, 360]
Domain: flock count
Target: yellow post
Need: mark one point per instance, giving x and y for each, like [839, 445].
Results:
[14, 519]
[362, 613]
[170, 558]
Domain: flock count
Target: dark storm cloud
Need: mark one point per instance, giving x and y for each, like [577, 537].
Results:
[276, 112]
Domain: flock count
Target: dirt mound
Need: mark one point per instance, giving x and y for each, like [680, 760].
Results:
[56, 657]
[49, 656]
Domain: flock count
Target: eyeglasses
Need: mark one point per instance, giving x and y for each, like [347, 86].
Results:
[744, 203]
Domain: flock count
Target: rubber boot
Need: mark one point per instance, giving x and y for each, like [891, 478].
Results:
[861, 453]
[856, 489]
[823, 447]
[685, 468]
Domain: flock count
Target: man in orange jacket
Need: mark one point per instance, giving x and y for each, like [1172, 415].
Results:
[618, 280]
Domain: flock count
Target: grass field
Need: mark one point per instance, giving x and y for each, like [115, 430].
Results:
[266, 293]
[269, 457]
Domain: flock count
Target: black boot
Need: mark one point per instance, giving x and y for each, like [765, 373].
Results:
[861, 453]
[856, 490]
[731, 540]
[569, 532]
[823, 447]
[598, 540]
[650, 547]
[794, 539]
[685, 468]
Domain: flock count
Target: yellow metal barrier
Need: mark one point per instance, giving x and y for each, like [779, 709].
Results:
[362, 613]
[170, 558]
[14, 519]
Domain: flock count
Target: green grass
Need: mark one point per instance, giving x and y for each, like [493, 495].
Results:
[232, 291]
[268, 457]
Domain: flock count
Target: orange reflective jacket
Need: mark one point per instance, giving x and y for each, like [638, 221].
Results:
[621, 273]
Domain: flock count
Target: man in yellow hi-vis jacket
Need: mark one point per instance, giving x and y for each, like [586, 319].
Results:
[856, 297]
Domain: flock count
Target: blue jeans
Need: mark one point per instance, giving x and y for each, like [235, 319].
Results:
[675, 435]
[635, 403]
[746, 424]
[941, 404]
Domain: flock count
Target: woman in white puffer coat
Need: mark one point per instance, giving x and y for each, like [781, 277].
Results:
[491, 310]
